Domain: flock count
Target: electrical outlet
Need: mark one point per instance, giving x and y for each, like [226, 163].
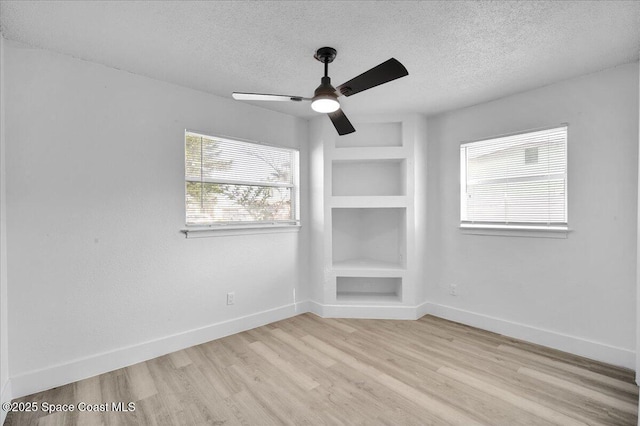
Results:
[453, 289]
[231, 298]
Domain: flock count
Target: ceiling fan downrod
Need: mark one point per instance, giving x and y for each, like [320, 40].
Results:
[325, 98]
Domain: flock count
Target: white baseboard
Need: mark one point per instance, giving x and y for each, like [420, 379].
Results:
[58, 375]
[367, 311]
[314, 307]
[304, 307]
[422, 309]
[575, 345]
[5, 396]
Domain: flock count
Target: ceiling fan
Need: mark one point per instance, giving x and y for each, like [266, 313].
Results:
[325, 98]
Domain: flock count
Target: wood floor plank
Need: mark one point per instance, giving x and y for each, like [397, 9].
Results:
[366, 400]
[581, 390]
[418, 369]
[303, 348]
[307, 370]
[251, 412]
[578, 370]
[296, 376]
[180, 359]
[340, 325]
[443, 411]
[152, 411]
[140, 382]
[277, 396]
[449, 353]
[520, 402]
[212, 372]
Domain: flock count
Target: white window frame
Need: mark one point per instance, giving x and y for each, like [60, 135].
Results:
[245, 227]
[514, 228]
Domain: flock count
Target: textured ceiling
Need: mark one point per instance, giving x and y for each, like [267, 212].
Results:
[457, 53]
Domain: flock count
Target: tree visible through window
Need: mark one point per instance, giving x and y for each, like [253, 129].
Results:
[517, 180]
[235, 182]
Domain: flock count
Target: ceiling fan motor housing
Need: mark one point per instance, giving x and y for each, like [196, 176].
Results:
[325, 88]
[326, 55]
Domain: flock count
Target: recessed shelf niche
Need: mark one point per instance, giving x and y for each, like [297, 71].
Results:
[372, 135]
[368, 177]
[368, 289]
[373, 238]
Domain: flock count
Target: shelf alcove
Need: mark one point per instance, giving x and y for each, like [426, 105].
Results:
[368, 289]
[369, 237]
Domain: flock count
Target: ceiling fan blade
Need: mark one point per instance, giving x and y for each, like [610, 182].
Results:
[383, 73]
[341, 122]
[239, 96]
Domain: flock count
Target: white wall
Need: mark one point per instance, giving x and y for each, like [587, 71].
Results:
[575, 294]
[638, 274]
[421, 197]
[319, 136]
[100, 274]
[5, 388]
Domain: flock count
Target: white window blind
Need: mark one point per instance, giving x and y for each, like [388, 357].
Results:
[517, 180]
[236, 182]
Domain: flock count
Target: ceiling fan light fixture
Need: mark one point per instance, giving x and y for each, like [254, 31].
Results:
[325, 99]
[325, 103]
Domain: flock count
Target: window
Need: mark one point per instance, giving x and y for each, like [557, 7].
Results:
[230, 182]
[516, 181]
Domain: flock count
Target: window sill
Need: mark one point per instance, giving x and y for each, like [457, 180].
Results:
[227, 230]
[516, 231]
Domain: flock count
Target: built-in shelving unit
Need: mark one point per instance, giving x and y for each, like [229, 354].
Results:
[367, 215]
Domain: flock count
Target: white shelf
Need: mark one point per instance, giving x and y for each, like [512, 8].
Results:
[370, 153]
[365, 202]
[375, 267]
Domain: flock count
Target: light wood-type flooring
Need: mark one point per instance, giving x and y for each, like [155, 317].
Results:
[312, 371]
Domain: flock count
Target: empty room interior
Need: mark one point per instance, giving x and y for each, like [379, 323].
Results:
[319, 212]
